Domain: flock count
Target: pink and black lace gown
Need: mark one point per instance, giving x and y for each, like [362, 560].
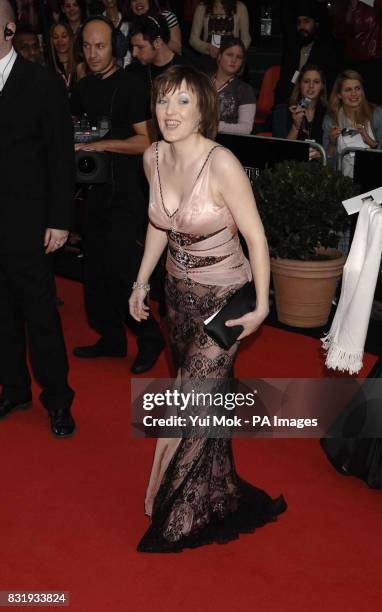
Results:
[201, 499]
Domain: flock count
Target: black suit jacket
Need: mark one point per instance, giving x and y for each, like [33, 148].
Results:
[36, 157]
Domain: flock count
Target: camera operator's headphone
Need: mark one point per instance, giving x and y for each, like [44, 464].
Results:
[108, 22]
[156, 23]
[8, 33]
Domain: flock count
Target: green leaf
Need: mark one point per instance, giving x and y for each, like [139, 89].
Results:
[300, 204]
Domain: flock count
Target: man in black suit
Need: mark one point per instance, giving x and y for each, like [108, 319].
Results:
[37, 185]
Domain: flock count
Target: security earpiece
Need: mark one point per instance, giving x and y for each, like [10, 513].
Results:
[8, 33]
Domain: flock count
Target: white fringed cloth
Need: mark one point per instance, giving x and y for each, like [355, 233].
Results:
[346, 339]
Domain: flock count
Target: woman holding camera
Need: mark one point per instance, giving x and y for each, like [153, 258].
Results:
[352, 121]
[308, 104]
[200, 197]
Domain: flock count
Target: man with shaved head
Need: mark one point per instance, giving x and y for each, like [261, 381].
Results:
[116, 211]
[37, 185]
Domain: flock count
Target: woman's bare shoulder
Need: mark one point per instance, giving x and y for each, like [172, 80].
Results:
[223, 160]
[148, 159]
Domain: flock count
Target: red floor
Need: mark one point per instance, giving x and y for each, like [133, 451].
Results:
[71, 510]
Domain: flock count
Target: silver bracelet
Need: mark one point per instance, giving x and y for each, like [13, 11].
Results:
[144, 286]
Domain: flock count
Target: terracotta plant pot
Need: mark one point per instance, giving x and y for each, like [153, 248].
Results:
[305, 289]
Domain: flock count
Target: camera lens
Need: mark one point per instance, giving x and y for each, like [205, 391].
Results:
[87, 165]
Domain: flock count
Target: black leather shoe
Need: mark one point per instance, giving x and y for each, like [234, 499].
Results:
[147, 357]
[97, 350]
[7, 406]
[62, 423]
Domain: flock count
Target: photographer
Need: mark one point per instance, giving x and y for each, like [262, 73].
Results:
[352, 121]
[116, 212]
[308, 106]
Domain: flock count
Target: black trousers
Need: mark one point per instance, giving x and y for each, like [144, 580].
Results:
[29, 317]
[113, 249]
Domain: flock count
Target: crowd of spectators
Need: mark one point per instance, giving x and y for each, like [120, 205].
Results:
[329, 90]
[325, 52]
[107, 54]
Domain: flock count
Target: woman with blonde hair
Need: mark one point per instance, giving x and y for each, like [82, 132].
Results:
[352, 121]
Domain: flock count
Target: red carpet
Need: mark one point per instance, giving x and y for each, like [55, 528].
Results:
[72, 510]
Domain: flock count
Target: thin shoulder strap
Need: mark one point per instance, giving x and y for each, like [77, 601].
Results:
[206, 160]
[158, 175]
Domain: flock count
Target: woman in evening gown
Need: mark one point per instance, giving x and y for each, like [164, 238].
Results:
[199, 197]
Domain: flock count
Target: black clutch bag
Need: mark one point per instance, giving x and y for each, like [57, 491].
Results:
[242, 302]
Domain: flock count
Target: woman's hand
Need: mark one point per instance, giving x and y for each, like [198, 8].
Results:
[250, 322]
[333, 135]
[314, 153]
[298, 115]
[213, 51]
[365, 136]
[54, 239]
[138, 309]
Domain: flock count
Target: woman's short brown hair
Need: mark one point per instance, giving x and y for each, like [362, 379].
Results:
[200, 84]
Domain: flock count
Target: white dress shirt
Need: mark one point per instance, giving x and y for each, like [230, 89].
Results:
[6, 65]
[304, 54]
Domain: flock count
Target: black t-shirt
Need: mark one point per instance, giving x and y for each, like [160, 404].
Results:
[177, 60]
[124, 98]
[150, 71]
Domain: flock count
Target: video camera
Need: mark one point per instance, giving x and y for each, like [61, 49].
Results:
[92, 167]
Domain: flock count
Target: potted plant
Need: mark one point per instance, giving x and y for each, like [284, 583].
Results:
[300, 206]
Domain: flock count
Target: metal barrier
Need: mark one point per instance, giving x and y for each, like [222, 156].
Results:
[311, 143]
[259, 152]
[320, 149]
[367, 167]
[342, 155]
